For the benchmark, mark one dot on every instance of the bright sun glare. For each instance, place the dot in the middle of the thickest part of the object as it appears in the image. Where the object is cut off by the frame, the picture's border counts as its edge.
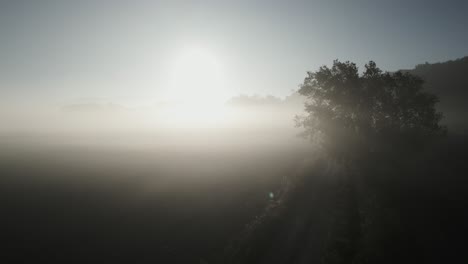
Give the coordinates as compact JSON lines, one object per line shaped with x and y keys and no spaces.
{"x":197,"y":90}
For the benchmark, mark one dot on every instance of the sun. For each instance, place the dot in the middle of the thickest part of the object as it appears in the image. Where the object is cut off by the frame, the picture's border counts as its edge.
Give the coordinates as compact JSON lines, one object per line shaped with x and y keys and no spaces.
{"x":197,"y":88}
{"x":197,"y":77}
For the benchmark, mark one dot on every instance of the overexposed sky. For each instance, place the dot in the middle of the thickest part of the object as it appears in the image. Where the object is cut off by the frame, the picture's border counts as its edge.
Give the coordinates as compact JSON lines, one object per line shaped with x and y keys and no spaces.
{"x":125,"y":51}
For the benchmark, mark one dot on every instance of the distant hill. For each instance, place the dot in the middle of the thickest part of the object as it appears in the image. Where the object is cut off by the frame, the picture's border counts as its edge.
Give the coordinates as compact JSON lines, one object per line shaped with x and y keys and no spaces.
{"x":94,"y":108}
{"x":448,"y":80}
{"x":294,"y":100}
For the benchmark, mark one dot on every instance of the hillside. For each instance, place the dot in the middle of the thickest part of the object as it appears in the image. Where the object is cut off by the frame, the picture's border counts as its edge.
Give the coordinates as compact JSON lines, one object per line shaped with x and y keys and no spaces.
{"x":448,"y":80}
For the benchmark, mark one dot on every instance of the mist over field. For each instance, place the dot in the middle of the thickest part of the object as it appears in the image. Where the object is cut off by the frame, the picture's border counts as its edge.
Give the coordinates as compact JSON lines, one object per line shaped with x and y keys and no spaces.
{"x":88,"y":178}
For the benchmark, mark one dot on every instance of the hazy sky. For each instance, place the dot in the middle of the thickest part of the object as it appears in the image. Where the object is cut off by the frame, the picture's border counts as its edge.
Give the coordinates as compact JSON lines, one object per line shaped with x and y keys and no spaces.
{"x":124,"y":50}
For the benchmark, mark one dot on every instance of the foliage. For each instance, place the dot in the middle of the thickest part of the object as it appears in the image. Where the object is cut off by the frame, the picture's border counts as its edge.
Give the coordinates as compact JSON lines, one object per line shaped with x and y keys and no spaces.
{"x":375,"y":111}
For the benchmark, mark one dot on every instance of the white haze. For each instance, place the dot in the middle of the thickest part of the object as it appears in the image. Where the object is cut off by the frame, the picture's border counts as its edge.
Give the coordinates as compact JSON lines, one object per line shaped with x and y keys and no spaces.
{"x":242,"y":121}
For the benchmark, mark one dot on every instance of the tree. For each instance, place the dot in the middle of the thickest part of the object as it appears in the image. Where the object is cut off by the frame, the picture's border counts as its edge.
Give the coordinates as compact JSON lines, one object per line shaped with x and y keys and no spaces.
{"x":349,"y":113}
{"x":368,"y":122}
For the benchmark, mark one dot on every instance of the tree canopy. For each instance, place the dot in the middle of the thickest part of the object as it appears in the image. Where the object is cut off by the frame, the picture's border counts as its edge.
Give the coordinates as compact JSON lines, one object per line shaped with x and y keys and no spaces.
{"x":372,"y":111}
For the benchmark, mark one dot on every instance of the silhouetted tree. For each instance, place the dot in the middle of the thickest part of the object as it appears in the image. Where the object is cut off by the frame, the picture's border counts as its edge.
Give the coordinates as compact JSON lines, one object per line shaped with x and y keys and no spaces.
{"x":351,"y":116}
{"x":349,"y":113}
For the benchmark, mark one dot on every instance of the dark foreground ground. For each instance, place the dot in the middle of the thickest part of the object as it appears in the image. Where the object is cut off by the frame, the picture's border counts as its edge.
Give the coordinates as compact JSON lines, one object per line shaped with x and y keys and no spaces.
{"x":404,"y":209}
{"x":77,"y":203}
{"x":111,"y":204}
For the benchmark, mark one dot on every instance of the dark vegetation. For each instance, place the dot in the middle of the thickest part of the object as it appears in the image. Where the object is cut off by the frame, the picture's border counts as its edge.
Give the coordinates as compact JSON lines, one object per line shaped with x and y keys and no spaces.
{"x":378,"y":126}
{"x":382,"y":181}
{"x":396,"y":193}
